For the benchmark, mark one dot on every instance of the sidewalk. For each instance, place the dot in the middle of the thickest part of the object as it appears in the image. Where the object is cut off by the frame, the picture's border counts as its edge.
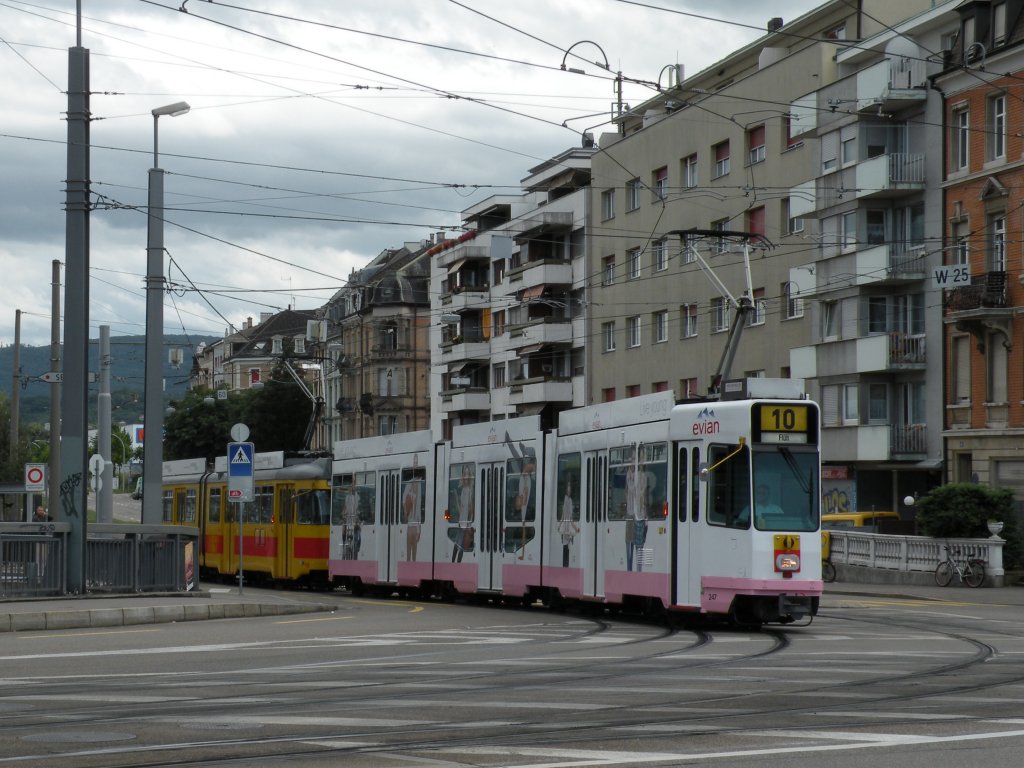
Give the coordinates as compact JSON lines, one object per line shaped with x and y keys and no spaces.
{"x":116,"y":610}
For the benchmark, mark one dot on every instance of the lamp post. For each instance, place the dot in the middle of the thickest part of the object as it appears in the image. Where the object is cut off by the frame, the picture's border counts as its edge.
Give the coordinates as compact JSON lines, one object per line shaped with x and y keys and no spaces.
{"x":153,"y":449}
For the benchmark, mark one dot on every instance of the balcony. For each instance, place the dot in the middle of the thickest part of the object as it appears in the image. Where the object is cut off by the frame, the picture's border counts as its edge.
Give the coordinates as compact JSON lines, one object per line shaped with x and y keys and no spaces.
{"x":875,"y":442}
{"x":892,"y":84}
{"x":540,"y":390}
{"x":988,"y":290}
{"x":540,"y":272}
{"x":465,"y":399}
{"x":472,"y":297}
{"x":462,"y":253}
{"x":881,"y":353}
{"x":907,"y":350}
{"x":890,"y":175}
{"x":471,"y":345}
{"x":890,"y":263}
{"x":548,"y":330}
{"x":546,"y":222}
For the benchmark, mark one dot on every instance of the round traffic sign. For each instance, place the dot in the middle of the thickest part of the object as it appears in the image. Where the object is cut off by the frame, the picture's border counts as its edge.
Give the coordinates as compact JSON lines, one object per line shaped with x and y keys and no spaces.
{"x":34,"y":475}
{"x":240,"y":432}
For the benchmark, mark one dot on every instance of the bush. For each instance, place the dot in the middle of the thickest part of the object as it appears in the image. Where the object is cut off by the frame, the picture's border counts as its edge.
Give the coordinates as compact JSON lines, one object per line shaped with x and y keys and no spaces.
{"x":961,"y":510}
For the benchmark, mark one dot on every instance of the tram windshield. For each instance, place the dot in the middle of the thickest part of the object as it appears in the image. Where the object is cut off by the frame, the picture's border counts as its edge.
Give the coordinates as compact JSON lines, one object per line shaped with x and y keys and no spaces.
{"x":313,"y":507}
{"x":785,"y":488}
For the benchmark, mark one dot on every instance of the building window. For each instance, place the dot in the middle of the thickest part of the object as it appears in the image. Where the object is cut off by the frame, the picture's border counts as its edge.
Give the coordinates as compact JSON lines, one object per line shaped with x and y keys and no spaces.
{"x":387,"y":425}
{"x":878,"y":404}
{"x":830,"y":320}
{"x":254,"y":375}
{"x":498,"y":271}
{"x":960,"y":140}
{"x":755,"y":220}
{"x":719,"y":315}
{"x":721,"y":155}
{"x":836,"y":33}
{"x":633,"y":329}
{"x":608,"y":204}
{"x":632,"y":390}
{"x":961,"y":369}
{"x":498,"y":323}
{"x":498,"y":375}
{"x":875,"y":226}
{"x":690,"y":172}
{"x":759,"y":308}
{"x":688,"y":319}
{"x":996,"y":129}
{"x":721,"y":244}
{"x":660,"y":255}
{"x":659,"y":386}
{"x":688,"y":387}
{"x":608,"y":336}
{"x":660,"y":322}
{"x":633,"y":194}
{"x":998,"y":23}
{"x":791,"y":225}
{"x":608,"y":273}
{"x":633,"y":260}
{"x":755,"y":144}
{"x":660,"y":178}
{"x":851,"y":404}
{"x":848,"y":236}
{"x":791,"y":139}
{"x":608,"y":394}
{"x":961,"y":246}
{"x":997,"y":244}
{"x":996,"y":359}
{"x":848,"y":150}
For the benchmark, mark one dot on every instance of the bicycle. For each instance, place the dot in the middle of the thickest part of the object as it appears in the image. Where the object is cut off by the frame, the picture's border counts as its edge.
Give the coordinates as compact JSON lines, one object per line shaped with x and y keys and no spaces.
{"x":970,"y":570}
{"x":828,"y":571}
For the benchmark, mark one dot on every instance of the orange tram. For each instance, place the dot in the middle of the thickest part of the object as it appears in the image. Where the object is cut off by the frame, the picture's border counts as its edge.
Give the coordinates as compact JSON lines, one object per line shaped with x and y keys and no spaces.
{"x":282,"y":535}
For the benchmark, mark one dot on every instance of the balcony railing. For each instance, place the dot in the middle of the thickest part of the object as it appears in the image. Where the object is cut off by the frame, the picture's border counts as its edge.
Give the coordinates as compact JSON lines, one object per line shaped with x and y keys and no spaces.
{"x":908,"y":439}
{"x":907,"y":348}
{"x":988,"y":290}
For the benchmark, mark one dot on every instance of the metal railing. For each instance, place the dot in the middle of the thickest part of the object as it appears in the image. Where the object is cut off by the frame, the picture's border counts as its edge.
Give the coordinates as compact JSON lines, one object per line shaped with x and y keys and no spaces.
{"x":909,"y":559}
{"x":118,"y":558}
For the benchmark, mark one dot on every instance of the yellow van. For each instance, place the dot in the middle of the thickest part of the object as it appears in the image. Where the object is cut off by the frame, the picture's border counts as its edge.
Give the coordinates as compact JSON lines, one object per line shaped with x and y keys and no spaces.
{"x":867,"y":521}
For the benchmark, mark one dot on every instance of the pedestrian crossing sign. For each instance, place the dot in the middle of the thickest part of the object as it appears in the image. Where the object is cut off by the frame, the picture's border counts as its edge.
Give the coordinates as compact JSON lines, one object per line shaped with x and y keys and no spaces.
{"x":240,"y":471}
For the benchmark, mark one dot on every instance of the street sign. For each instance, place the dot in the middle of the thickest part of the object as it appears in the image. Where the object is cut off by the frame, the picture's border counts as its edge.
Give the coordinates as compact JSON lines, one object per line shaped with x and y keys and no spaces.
{"x":53,"y":377}
{"x":35,"y":477}
{"x":951,"y":276}
{"x":241,"y":463}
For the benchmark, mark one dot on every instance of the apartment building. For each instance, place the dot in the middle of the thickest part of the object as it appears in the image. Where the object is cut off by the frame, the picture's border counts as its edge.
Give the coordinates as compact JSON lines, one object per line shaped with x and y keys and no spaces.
{"x":373,"y":347}
{"x":875,"y":355}
{"x":508,"y":301}
{"x":984,"y":196}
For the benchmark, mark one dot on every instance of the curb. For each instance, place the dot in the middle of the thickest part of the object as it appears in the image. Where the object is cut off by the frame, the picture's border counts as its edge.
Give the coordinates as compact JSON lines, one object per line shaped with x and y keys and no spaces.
{"x":36,"y":621}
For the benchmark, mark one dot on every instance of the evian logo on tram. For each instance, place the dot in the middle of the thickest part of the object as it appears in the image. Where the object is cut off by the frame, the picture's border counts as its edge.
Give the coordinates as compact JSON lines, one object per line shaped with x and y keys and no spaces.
{"x":707,"y":424}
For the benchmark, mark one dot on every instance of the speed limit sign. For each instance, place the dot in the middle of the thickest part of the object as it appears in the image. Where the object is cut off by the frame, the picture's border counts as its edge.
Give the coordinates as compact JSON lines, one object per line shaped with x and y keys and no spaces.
{"x":35,"y":477}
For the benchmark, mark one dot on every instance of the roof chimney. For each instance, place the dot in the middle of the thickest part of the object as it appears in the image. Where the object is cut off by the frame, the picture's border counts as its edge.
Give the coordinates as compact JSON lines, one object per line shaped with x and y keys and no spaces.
{"x":775,"y":24}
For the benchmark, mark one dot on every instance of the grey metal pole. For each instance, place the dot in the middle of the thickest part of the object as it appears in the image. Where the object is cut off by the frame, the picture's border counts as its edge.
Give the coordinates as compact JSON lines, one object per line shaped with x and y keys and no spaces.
{"x":15,"y":389}
{"x":74,"y":424}
{"x":55,"y":389}
{"x":105,"y":496}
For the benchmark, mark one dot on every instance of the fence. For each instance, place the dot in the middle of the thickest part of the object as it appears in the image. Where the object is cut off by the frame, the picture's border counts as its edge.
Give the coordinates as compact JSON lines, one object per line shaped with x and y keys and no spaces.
{"x":884,"y":559}
{"x":118,"y":558}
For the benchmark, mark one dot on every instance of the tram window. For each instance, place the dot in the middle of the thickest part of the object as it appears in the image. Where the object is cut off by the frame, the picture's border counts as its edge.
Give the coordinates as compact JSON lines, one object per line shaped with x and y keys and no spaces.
{"x":695,"y":486}
{"x":621,"y":474}
{"x":168,"y":506}
{"x":682,"y":473}
{"x":568,"y":488}
{"x":261,"y":509}
{"x":312,"y":507}
{"x":521,"y":489}
{"x":728,"y":491}
{"x":340,"y":488}
{"x":652,"y":480}
{"x":788,"y":480}
{"x":187,"y":507}
{"x":354,"y":497}
{"x":213,"y":506}
{"x":414,"y":483}
{"x":285,"y":504}
{"x":462,"y":493}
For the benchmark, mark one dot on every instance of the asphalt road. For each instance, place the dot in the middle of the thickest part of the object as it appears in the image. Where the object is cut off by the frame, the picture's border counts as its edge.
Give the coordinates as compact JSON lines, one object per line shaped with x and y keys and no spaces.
{"x":873,"y":681}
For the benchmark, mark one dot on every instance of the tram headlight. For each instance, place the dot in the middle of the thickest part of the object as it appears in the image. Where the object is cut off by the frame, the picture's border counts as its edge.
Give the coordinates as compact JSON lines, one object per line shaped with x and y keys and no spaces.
{"x":787,"y":562}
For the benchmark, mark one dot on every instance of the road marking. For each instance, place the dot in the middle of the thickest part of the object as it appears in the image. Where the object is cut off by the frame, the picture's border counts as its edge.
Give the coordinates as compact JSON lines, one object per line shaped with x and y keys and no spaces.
{"x":310,"y":621}
{"x":50,"y":635}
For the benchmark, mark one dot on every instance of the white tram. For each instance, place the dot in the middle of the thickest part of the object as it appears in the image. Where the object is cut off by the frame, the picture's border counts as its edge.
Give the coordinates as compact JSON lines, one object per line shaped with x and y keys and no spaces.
{"x":708,"y":507}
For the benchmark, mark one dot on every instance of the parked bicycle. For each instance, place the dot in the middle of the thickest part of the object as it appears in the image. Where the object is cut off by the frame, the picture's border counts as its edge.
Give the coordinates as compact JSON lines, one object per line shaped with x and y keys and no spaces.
{"x":970,"y":570}
{"x":828,"y":570}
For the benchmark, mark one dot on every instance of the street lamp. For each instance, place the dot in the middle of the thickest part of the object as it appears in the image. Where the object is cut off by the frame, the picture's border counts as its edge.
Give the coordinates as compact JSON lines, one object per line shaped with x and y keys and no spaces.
{"x":124,"y":456}
{"x":153,"y":449}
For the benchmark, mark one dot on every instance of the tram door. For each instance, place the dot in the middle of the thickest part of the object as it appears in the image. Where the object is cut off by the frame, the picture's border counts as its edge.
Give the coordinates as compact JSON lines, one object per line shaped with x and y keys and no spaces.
{"x":390,"y":526}
{"x":285,"y":519}
{"x":685,"y":516}
{"x":595,"y":506}
{"x":491,"y":503}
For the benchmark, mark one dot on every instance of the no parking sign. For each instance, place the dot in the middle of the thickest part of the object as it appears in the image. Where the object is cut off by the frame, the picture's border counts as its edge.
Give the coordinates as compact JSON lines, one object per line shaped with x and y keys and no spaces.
{"x":35,"y":477}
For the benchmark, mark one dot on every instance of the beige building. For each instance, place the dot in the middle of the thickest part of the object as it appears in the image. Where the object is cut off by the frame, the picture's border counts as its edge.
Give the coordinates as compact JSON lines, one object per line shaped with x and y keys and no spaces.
{"x":713,"y":152}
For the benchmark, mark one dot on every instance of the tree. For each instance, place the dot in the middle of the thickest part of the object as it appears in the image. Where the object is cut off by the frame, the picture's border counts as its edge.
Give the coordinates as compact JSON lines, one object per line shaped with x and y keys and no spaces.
{"x":962,"y":510}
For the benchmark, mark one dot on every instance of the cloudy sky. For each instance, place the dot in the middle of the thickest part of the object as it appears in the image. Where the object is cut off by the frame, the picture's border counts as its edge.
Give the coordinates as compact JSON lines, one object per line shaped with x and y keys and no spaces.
{"x":321,"y":132}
